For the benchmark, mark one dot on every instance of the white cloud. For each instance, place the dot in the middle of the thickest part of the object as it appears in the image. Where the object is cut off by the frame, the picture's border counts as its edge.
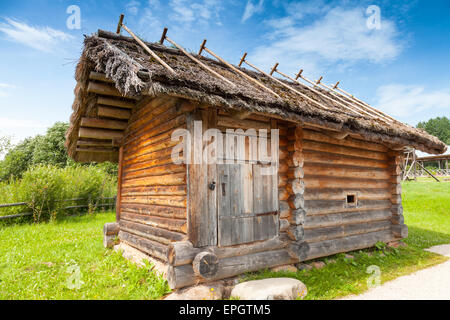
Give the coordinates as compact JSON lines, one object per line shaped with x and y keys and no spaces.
{"x":132,"y":7}
{"x":251,"y":9}
{"x":407,"y":101}
{"x":335,"y":37}
{"x":41,"y":38}
{"x":187,"y":12}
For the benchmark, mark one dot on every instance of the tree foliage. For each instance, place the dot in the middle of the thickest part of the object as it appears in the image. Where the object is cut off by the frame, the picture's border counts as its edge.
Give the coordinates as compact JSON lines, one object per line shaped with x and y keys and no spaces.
{"x":45,"y":149}
{"x":439,"y":127}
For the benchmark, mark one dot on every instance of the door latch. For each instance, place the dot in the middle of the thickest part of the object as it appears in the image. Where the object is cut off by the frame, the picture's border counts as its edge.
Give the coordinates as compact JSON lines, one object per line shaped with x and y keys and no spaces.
{"x":212,"y":186}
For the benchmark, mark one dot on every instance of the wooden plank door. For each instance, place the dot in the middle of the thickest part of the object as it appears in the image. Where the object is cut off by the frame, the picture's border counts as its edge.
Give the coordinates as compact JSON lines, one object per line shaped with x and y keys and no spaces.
{"x":247,"y":203}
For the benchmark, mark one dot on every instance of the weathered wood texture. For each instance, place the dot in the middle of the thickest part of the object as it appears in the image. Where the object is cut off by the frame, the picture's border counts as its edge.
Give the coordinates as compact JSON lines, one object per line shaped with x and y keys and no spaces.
{"x":182,"y":276}
{"x":344,"y":196}
{"x":153,"y":189}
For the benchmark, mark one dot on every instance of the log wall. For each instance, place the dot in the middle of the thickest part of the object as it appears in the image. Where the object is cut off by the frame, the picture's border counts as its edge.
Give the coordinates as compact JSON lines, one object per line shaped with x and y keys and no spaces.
{"x":153,"y":190}
{"x":351,"y":191}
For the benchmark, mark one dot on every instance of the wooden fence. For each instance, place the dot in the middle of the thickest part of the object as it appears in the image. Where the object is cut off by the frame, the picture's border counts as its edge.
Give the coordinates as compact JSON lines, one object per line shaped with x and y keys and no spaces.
{"x":90,"y":202}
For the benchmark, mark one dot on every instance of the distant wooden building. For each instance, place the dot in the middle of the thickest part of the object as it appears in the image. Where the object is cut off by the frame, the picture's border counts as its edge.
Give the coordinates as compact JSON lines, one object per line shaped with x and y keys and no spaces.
{"x":336,"y":187}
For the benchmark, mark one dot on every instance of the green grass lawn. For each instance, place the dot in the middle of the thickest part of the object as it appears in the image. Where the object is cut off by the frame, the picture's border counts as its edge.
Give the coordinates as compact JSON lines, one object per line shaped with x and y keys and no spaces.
{"x":427,"y":214}
{"x":44,"y":261}
{"x":66,"y":260}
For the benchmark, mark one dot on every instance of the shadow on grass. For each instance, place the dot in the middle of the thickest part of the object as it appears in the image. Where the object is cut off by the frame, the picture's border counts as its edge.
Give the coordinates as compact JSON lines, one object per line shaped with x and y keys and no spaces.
{"x":423,"y":238}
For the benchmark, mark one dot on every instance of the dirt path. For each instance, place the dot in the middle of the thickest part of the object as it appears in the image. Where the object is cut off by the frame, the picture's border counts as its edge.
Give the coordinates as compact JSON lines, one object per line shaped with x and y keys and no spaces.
{"x":431,"y":283}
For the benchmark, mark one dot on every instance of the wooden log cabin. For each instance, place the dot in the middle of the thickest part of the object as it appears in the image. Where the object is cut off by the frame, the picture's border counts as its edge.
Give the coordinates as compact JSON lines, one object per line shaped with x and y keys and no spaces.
{"x":336,"y":186}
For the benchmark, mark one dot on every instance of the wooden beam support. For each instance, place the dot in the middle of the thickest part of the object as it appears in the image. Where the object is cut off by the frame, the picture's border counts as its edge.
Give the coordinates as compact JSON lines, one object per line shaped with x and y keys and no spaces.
{"x":116,"y":113}
{"x":115,"y":103}
{"x":103,"y":123}
{"x":101,"y":134}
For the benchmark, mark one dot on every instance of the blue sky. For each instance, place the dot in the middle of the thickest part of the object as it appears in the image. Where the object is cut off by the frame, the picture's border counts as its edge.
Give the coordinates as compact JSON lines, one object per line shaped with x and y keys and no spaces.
{"x":402,"y":67}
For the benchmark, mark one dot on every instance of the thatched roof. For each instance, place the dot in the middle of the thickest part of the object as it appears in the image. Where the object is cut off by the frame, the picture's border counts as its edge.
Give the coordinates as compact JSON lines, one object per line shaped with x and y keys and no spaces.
{"x":135,"y":74}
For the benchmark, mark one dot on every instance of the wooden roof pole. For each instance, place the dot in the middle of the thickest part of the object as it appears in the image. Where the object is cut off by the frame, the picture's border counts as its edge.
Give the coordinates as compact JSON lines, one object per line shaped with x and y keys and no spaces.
{"x":318,"y":82}
{"x":143,"y":45}
{"x":362,"y":102}
{"x":119,"y":26}
{"x":201,"y":64}
{"x":236,"y":69}
{"x":274,"y":69}
{"x":280,"y":82}
{"x":358,"y":110}
{"x":376,"y":114}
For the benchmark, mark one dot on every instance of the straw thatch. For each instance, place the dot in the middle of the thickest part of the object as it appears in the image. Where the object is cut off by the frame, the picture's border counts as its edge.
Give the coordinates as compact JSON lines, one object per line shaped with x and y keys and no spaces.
{"x":136,"y":74}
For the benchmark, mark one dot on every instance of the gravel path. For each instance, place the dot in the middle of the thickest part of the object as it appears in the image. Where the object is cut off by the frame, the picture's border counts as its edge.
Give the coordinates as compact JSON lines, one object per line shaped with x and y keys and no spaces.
{"x":428,"y":284}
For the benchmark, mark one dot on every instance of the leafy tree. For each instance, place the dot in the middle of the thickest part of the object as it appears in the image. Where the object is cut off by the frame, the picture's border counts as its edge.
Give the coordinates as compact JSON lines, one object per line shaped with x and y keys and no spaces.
{"x":439,"y":127}
{"x":45,"y":150}
{"x":50,"y":148}
{"x":18,"y":159}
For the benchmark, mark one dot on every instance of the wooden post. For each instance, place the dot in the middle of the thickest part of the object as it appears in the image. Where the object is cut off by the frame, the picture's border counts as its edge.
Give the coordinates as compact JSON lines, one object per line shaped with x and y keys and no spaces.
{"x":415,"y":165}
{"x":119,"y":185}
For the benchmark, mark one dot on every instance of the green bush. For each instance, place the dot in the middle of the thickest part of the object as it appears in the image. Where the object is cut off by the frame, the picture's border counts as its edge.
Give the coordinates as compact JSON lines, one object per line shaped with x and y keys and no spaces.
{"x":44,"y":186}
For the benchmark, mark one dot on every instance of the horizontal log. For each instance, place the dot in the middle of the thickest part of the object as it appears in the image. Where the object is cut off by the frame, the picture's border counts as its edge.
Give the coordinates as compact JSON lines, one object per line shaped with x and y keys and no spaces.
{"x":396,"y":189}
{"x":163,"y":180}
{"x":328,"y":233}
{"x":150,"y":247}
{"x":155,"y":190}
{"x":317,"y":182}
{"x":95,"y":149}
{"x":153,"y":117}
{"x":396,"y":199}
{"x":331,"y":170}
{"x":295,"y":173}
{"x":99,"y":133}
{"x":341,"y":194}
{"x":295,"y":186}
{"x":297,"y":217}
{"x":104,"y":89}
{"x":230,"y":122}
{"x":110,"y":229}
{"x":136,"y":146}
{"x":99,"y":77}
{"x":111,"y":112}
{"x":400,"y":231}
{"x":150,"y":158}
{"x":397,"y":210}
{"x":357,"y":242}
{"x":283,"y":194}
{"x":143,"y":165}
{"x":172,"y":201}
{"x":326,"y":158}
{"x":295,"y":232}
{"x":96,"y":143}
{"x":116,"y":103}
{"x":157,"y":146}
{"x":296,"y":202}
{"x":348,"y":142}
{"x":155,"y":210}
{"x":314,"y":207}
{"x":348,"y":151}
{"x":177,"y":225}
{"x":181,"y":253}
{"x":182,"y":276}
{"x":397,"y":219}
{"x":295,"y":159}
{"x":284,"y":225}
{"x":338,"y":219}
{"x":285,"y":210}
{"x":103,"y":123}
{"x":155,"y":234}
{"x":154,"y":171}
